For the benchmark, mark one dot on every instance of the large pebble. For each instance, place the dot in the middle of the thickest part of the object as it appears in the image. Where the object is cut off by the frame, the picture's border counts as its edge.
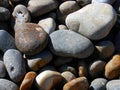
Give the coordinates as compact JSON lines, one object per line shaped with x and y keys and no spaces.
{"x":93,"y":21}
{"x":70,"y":44}
{"x":80,"y":83}
{"x":40,"y":7}
{"x":112,"y":68}
{"x":4,"y":14}
{"x":48,"y":80}
{"x":66,"y":8}
{"x":37,"y":61}
{"x":15,"y":65}
{"x":30,"y":38}
{"x":7,"y":85}
{"x":28,"y":81}
{"x":98,"y":84}
{"x":48,"y":24}
{"x":2,"y":69}
{"x":113,"y":85}
{"x":6,"y":41}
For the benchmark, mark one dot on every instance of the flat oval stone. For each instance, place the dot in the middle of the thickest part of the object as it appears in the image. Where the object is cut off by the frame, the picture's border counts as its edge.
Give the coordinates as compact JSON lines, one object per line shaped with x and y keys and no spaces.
{"x":6,"y":41}
{"x":2,"y":69}
{"x":28,"y":81}
{"x":48,"y":24}
{"x":94,"y":21}
{"x":80,"y":83}
{"x":44,"y":79}
{"x":37,"y":61}
{"x":40,"y":7}
{"x":4,"y":14}
{"x":112,"y":68}
{"x":30,"y":38}
{"x":15,"y":65}
{"x":113,"y":85}
{"x":70,"y":44}
{"x":98,"y":84}
{"x":7,"y":85}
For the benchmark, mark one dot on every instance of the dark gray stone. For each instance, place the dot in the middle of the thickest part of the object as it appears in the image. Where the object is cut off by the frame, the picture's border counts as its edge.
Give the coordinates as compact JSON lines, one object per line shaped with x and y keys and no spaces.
{"x":70,"y":44}
{"x":15,"y":65}
{"x":98,"y":84}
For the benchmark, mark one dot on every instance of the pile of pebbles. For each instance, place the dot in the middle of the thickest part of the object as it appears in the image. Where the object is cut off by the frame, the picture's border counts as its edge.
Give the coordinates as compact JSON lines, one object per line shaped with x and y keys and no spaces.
{"x":59,"y":44}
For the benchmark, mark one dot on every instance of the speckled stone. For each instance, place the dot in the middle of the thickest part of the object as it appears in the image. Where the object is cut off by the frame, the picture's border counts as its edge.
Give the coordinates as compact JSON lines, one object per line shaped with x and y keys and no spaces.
{"x":15,"y":65}
{"x":112,"y":68}
{"x":7,"y":85}
{"x":48,"y":24}
{"x":2,"y":69}
{"x":94,"y":21}
{"x":98,"y":84}
{"x":4,"y":14}
{"x":113,"y":85}
{"x":96,"y":68}
{"x":44,"y":79}
{"x":70,"y":44}
{"x":28,"y":81}
{"x":37,"y":61}
{"x":6,"y":41}
{"x":40,"y":7}
{"x":80,"y":83}
{"x":30,"y":39}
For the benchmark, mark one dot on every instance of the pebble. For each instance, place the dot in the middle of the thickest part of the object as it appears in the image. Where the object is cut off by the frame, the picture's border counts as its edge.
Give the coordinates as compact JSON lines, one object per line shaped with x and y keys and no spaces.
{"x":105,"y":49}
{"x":7,"y":85}
{"x":95,"y":20}
{"x":70,"y":44}
{"x":6,"y":41}
{"x":21,"y":13}
{"x":15,"y":65}
{"x":4,"y":3}
{"x":66,"y":8}
{"x":112,"y":68}
{"x":2,"y":69}
{"x":37,"y":61}
{"x":48,"y":80}
{"x":62,"y":27}
{"x":4,"y":14}
{"x":103,"y":1}
{"x":113,"y":85}
{"x":96,"y":68}
{"x":36,"y":6}
{"x":98,"y":84}
{"x":28,"y":81}
{"x":80,"y":83}
{"x":48,"y":24}
{"x":30,"y":38}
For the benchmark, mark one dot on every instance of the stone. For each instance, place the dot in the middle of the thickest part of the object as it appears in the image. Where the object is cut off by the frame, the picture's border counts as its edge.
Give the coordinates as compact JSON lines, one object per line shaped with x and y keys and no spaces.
{"x":80,"y":83}
{"x":2,"y":69}
{"x":103,"y":1}
{"x":83,"y":2}
{"x":94,"y":21}
{"x":117,"y":42}
{"x":62,"y":27}
{"x":6,"y":41}
{"x":113,"y":85}
{"x":98,"y":84}
{"x":28,"y":81}
{"x":112,"y":68}
{"x":30,"y":39}
{"x":40,"y":7}
{"x":37,"y":61}
{"x":4,"y":3}
{"x":44,"y":79}
{"x":70,"y":44}
{"x":48,"y":24}
{"x":21,"y":13}
{"x":105,"y":49}
{"x":7,"y":85}
{"x":96,"y":68}
{"x":66,"y":8}
{"x":4,"y":14}
{"x":15,"y":65}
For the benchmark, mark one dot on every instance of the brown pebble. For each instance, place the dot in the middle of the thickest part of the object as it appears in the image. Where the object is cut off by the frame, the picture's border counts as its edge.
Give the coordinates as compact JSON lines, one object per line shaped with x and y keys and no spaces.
{"x":28,"y":81}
